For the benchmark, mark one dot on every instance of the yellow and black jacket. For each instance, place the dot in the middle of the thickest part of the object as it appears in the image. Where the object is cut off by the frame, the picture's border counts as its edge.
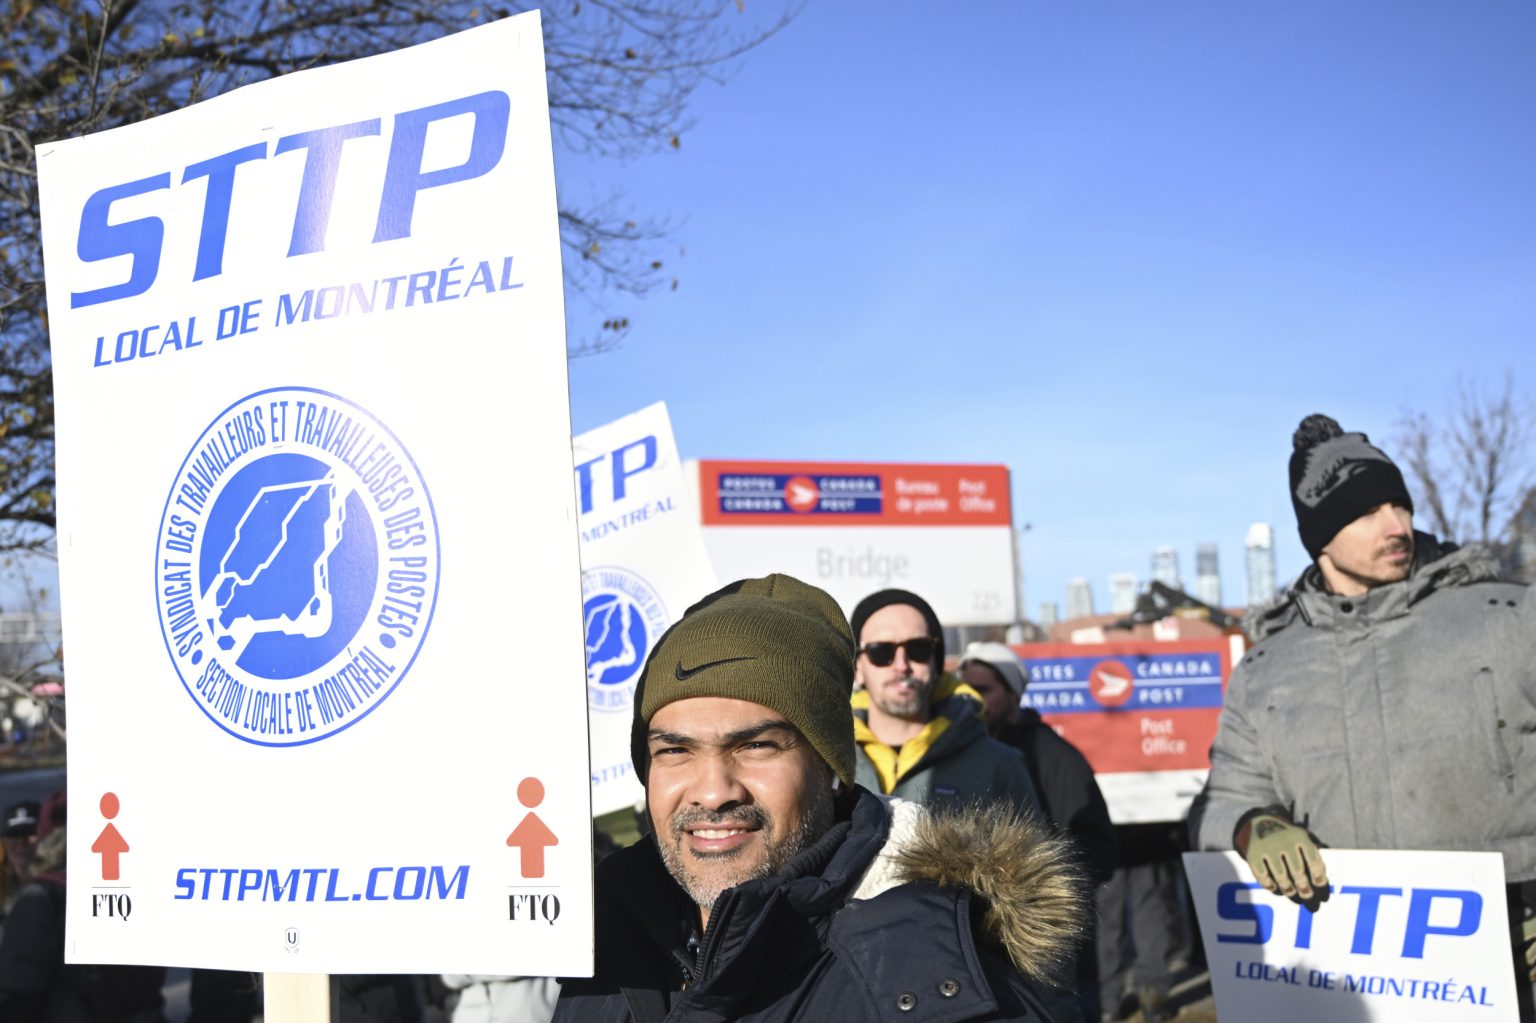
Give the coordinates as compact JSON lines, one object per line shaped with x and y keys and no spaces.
{"x":951,"y":759}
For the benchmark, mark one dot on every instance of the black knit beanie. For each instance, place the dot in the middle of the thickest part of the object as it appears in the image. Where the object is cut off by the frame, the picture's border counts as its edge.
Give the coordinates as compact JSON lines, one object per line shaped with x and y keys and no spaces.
{"x":885,"y":598}
{"x":1335,"y":478}
{"x":774,"y":641}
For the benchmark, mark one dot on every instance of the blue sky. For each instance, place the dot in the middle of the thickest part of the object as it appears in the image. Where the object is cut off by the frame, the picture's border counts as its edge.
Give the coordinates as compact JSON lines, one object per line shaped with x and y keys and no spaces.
{"x":1121,"y":247}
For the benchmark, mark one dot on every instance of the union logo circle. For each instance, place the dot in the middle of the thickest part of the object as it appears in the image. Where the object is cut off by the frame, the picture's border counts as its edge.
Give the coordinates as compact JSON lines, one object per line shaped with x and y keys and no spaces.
{"x":1111,"y":683}
{"x":622,"y":618}
{"x":296,"y":566}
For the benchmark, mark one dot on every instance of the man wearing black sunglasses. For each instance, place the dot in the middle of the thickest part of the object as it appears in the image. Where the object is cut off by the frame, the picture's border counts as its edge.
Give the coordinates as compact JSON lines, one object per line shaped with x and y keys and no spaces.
{"x":921,"y":733}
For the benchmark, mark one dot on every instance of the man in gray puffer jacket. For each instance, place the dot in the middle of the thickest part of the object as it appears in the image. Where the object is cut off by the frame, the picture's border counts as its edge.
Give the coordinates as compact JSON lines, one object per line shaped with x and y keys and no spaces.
{"x":1390,"y":702}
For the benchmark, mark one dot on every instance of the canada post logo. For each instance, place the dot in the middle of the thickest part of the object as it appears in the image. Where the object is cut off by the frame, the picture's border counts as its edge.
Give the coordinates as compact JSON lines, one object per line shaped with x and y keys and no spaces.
{"x":623,"y":618}
{"x":799,"y":494}
{"x":296,"y":567}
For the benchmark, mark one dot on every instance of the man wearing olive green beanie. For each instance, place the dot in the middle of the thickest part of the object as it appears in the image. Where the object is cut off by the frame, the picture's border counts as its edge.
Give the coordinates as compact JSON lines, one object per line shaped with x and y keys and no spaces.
{"x":737,"y":903}
{"x":774,"y":641}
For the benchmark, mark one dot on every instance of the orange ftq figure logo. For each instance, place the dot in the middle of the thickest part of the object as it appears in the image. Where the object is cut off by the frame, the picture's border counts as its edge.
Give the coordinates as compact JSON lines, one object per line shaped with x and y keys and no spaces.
{"x":110,"y":843}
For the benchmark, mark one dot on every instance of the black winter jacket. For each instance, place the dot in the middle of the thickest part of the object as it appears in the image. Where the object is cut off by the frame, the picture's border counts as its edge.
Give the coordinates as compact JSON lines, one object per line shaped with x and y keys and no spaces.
{"x":870,"y":923}
{"x":1069,"y":795}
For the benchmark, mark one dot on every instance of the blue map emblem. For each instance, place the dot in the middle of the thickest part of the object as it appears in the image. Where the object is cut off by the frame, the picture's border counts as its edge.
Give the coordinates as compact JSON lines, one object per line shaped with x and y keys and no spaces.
{"x":296,"y":567}
{"x":623,"y":618}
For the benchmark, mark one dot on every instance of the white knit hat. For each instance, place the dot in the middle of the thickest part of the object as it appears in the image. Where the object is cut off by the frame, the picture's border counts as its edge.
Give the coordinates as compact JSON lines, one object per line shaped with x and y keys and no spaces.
{"x":999,"y":658}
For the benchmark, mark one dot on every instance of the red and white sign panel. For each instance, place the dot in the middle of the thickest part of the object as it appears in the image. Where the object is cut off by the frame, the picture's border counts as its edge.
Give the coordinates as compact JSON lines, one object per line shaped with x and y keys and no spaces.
{"x":942,"y":531}
{"x":853,"y":494}
{"x":1143,"y":713}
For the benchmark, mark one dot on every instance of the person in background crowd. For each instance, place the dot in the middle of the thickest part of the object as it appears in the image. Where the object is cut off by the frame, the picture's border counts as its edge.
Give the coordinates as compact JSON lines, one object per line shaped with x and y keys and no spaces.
{"x":379,"y":997}
{"x":222,"y":996}
{"x":498,"y":999}
{"x":1069,"y":795}
{"x":18,"y":839}
{"x":1139,"y":925}
{"x":1390,"y":701}
{"x":920,"y":732}
{"x":773,"y":887}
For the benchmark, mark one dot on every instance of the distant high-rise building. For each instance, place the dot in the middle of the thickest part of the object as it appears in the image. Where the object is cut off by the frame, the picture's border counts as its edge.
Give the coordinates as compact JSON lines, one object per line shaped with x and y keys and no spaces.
{"x":1165,"y":567}
{"x":1122,"y":593}
{"x":1079,"y":598}
{"x":1208,"y":574}
{"x":1517,"y":554}
{"x":1261,"y":563}
{"x":1050,"y":614}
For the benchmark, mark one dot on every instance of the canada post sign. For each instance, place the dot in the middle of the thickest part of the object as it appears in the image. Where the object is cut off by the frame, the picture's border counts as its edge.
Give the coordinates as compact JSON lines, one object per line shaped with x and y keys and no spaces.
{"x":314,"y":460}
{"x":945,"y":531}
{"x":1143,"y":713}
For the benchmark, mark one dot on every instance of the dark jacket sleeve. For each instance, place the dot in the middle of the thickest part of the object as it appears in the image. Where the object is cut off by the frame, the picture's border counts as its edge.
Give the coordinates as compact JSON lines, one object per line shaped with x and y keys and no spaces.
{"x":1016,"y":998}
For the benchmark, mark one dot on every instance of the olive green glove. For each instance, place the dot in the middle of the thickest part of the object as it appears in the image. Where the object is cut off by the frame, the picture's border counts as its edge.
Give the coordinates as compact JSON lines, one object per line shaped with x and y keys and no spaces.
{"x":1284,"y":857}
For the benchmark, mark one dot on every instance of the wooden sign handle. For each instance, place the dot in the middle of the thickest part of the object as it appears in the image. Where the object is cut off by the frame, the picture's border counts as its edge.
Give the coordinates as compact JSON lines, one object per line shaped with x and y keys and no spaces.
{"x":297,"y":998}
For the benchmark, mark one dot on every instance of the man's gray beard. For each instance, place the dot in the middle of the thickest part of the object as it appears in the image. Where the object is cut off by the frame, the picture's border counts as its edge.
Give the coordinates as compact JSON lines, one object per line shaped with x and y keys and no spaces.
{"x":813,"y":825}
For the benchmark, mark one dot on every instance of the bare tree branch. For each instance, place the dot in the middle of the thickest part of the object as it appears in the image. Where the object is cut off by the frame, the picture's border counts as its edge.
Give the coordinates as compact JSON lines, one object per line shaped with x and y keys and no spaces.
{"x":1479,"y":453}
{"x":620,"y":75}
{"x":1416,"y":444}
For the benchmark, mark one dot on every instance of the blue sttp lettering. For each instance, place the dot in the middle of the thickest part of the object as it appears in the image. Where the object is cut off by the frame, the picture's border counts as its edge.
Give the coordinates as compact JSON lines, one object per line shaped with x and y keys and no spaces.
{"x":250,"y":881}
{"x":184,"y":883}
{"x":1229,"y":908}
{"x":403,"y":176}
{"x":1365,"y":920}
{"x":141,"y":239}
{"x":622,"y":473}
{"x":1419,"y":927}
{"x":584,"y":483}
{"x":1304,"y":928}
{"x":220,"y":172}
{"x":318,"y":189}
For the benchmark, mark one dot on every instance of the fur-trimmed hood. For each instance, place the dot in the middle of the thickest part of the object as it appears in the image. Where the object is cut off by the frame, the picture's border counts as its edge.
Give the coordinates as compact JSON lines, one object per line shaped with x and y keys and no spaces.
{"x":1032,"y":893}
{"x":894,"y":909}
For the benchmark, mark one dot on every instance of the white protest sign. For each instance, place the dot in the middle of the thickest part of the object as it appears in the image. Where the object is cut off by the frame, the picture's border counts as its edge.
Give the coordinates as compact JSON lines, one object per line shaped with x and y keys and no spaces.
{"x":317,"y":543}
{"x":1403,"y":936}
{"x":643,"y":564}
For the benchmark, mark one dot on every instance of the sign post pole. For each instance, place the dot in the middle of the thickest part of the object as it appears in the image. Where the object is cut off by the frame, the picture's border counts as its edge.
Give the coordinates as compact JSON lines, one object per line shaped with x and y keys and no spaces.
{"x":296,"y":997}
